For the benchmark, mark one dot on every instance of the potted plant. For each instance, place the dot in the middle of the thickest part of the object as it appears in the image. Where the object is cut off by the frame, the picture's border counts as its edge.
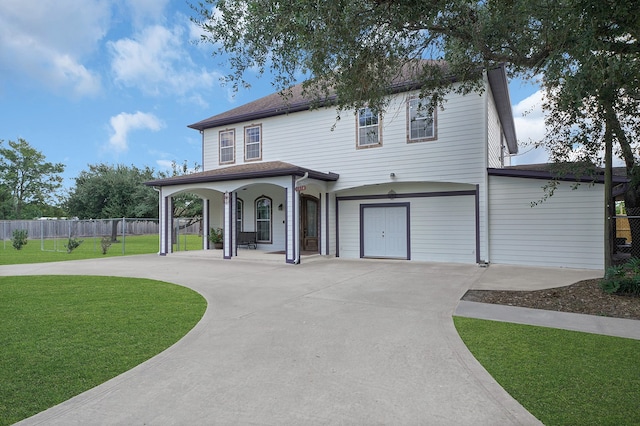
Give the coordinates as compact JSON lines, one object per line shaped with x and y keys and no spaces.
{"x":216,"y":237}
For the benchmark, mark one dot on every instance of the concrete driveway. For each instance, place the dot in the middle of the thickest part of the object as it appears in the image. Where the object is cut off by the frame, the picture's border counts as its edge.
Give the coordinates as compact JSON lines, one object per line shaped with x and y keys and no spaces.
{"x":329,"y":341}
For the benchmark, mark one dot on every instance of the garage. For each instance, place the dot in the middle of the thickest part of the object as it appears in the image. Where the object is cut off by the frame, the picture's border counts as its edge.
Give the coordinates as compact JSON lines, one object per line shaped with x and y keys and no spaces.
{"x":385,"y":231}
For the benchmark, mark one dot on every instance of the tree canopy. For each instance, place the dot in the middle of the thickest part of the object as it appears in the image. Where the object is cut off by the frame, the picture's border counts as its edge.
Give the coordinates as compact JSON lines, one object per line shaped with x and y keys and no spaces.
{"x":27,"y":181}
{"x":106,"y":191}
{"x":116,"y":191}
{"x":583,"y":53}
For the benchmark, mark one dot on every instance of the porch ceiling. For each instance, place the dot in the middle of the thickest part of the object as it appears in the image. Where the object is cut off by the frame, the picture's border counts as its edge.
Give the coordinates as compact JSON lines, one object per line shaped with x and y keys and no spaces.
{"x":245,"y":171}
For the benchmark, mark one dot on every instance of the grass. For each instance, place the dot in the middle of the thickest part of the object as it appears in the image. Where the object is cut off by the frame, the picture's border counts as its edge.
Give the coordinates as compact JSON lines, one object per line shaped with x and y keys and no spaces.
{"x":62,"y":335}
{"x":89,"y":249}
{"x":562,"y":377}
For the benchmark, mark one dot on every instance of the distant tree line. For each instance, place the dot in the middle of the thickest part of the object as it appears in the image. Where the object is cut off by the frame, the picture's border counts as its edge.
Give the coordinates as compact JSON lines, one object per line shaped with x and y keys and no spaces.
{"x":31,"y":187}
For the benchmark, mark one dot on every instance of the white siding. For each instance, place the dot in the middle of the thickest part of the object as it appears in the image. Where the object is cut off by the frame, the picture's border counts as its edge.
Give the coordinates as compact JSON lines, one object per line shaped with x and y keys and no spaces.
{"x":564,"y":231}
{"x":306,"y":139}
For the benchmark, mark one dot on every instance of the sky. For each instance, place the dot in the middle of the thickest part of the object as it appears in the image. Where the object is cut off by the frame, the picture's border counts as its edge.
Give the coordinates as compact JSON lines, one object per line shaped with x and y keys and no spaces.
{"x":118,"y":81}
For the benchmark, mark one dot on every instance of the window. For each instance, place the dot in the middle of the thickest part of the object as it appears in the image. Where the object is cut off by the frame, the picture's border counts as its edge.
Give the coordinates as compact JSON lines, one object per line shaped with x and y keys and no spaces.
{"x":227,"y":146}
{"x":368,"y":128}
{"x":421,"y":123}
{"x":263,"y":220}
{"x":253,"y":143}
{"x":239,"y":211}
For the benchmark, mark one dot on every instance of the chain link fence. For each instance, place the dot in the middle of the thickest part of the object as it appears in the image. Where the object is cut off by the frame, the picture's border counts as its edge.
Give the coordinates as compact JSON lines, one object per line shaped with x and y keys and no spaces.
{"x":53,"y":234}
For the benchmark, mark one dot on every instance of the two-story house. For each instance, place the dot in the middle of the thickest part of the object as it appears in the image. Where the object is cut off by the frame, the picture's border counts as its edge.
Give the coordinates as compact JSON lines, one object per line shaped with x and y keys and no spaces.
{"x":407,"y":184}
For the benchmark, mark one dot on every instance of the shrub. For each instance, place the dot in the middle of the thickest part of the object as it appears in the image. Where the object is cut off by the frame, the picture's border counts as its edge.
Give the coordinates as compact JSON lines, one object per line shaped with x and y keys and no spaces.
{"x":19,"y":238}
{"x":105,"y":243}
{"x":622,"y":279}
{"x":72,"y":244}
{"x":216,"y":235}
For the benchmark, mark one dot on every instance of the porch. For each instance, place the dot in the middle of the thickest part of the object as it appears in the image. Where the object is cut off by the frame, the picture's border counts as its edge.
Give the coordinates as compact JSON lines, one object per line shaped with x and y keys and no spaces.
{"x":248,"y":255}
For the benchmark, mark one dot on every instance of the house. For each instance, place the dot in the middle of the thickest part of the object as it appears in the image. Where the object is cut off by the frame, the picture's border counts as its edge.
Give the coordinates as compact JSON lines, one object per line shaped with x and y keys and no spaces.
{"x":408,"y":184}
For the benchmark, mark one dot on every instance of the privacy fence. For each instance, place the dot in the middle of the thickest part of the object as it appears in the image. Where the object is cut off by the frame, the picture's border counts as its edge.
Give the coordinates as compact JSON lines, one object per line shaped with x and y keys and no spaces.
{"x":49,"y":232}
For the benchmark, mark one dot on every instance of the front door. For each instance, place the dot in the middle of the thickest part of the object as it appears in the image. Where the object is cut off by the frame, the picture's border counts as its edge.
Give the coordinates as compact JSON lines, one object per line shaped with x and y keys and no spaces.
{"x":385,"y":231}
{"x":310,"y":220}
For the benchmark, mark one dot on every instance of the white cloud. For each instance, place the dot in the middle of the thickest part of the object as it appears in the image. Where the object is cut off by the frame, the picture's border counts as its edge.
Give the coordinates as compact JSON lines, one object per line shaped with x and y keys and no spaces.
{"x":147,"y":10}
{"x":47,"y":41}
{"x":156,"y":62}
{"x":123,"y":123}
{"x":530,"y":128}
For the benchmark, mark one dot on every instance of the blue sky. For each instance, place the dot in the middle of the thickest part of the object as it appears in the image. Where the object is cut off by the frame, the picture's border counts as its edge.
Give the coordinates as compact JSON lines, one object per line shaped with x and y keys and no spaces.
{"x":118,"y":81}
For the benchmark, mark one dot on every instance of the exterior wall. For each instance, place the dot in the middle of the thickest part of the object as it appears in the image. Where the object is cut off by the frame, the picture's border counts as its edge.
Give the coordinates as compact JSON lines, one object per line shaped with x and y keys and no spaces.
{"x":564,"y":231}
{"x":316,"y":140}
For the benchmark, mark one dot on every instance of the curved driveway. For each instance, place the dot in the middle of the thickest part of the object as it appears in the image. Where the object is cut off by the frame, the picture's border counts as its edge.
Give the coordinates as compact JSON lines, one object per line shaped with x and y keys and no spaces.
{"x":329,"y":341}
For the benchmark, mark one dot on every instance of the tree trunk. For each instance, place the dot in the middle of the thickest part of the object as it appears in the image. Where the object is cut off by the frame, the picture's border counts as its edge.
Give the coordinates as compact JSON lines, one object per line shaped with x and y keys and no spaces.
{"x":114,"y":230}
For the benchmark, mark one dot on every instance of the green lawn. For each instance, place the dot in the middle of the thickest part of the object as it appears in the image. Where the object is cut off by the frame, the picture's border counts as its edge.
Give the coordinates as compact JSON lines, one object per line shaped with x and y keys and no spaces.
{"x":90,"y":248}
{"x":562,"y":377}
{"x":62,"y":335}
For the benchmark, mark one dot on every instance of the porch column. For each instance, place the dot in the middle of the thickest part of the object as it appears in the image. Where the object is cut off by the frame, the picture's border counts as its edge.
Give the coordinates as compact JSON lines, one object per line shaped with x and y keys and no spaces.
{"x":163,"y":227}
{"x":234,"y":222}
{"x":205,"y":224}
{"x":168,"y":225}
{"x":227,"y":251}
{"x":291,"y":226}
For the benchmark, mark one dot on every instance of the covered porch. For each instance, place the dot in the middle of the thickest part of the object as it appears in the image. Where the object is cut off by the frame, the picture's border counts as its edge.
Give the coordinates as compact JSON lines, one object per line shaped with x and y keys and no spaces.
{"x":286,"y":207}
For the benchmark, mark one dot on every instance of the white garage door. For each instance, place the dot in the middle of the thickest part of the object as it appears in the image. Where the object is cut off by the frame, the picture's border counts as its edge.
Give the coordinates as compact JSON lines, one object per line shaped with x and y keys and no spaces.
{"x":385,"y":231}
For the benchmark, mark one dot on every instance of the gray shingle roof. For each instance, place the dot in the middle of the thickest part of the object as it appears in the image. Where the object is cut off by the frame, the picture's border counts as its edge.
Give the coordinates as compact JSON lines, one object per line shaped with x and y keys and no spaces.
{"x":244,"y":171}
{"x":276,"y":104}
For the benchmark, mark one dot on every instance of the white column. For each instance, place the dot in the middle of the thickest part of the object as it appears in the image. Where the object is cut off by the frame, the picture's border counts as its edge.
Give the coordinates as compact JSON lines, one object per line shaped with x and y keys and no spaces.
{"x":205,"y":223}
{"x":227,"y":227}
{"x":162,"y":223}
{"x":169,"y":228}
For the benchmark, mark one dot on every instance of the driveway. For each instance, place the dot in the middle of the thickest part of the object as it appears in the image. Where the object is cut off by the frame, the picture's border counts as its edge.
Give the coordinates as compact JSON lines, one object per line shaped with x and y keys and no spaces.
{"x":328,"y":341}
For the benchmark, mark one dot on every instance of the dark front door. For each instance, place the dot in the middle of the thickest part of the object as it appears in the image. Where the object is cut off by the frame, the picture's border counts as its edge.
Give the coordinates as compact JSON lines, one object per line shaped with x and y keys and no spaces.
{"x":310,"y":221}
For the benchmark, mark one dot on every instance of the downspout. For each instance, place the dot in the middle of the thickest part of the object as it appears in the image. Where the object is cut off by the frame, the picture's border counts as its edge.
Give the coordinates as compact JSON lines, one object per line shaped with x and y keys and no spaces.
{"x":296,"y":220}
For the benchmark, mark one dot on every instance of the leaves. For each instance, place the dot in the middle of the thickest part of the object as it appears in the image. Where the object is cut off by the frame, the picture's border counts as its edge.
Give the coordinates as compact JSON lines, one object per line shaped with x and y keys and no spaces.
{"x":28,"y":179}
{"x":106,"y":191}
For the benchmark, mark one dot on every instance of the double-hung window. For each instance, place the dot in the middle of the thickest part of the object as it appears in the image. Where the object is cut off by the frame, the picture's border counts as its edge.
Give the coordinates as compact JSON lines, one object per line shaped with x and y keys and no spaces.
{"x":263,"y":220}
{"x":421,"y":125}
{"x":368,"y":128}
{"x":227,"y":144}
{"x":253,"y":143}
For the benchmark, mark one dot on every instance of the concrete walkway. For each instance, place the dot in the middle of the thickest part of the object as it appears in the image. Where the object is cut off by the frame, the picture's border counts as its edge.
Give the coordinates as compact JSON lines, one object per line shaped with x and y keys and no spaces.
{"x":328,"y":341}
{"x":503,"y":277}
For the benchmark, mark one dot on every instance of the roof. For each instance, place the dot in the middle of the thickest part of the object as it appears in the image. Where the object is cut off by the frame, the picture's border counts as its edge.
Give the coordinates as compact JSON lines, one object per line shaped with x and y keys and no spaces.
{"x":278,"y":104}
{"x":245,"y":171}
{"x":563,"y":172}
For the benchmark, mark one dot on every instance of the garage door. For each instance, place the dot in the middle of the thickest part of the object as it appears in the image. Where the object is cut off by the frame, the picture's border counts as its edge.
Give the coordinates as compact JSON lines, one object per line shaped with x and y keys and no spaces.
{"x":385,"y":231}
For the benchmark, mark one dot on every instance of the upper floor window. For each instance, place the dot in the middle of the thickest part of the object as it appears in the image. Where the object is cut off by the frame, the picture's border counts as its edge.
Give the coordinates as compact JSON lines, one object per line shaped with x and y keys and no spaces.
{"x":368,"y":128}
{"x":253,"y":143}
{"x":421,"y":124}
{"x":263,"y":219}
{"x":227,"y":146}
